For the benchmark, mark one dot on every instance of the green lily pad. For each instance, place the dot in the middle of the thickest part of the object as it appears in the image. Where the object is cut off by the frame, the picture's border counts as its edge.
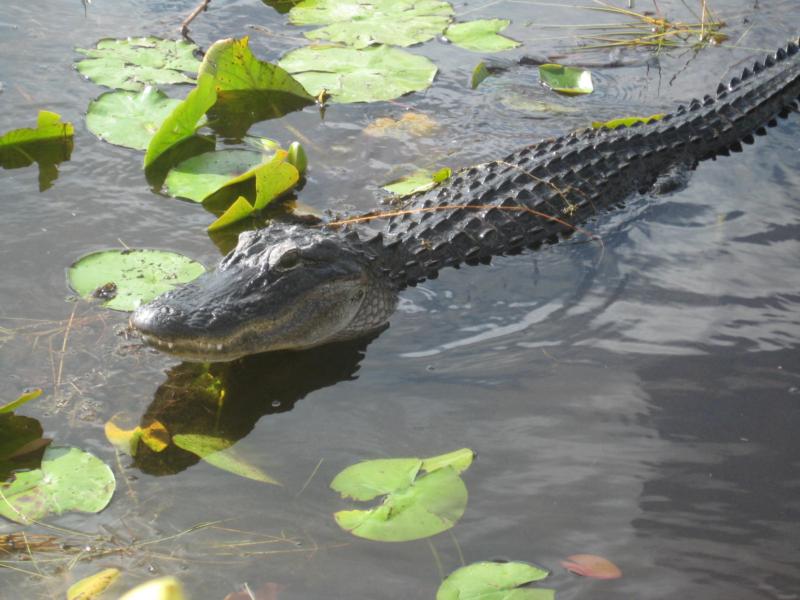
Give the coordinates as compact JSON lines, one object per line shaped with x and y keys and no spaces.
{"x":48,"y":144}
{"x":282,"y":6}
{"x":272,"y":180}
{"x":217,"y":451}
{"x":231,"y":75}
{"x":479,"y":73}
{"x":132,"y":63}
{"x":350,"y":75}
{"x":481,"y":35}
{"x":23,"y":398}
{"x":21,"y":444}
{"x":200,"y":176}
{"x":421,"y":181}
{"x":416,"y":506}
{"x":68,"y":480}
{"x":494,"y":581}
{"x":129,"y":119}
{"x":362,"y":23}
{"x":626,"y":121}
{"x":566,"y":80}
{"x":127,"y":278}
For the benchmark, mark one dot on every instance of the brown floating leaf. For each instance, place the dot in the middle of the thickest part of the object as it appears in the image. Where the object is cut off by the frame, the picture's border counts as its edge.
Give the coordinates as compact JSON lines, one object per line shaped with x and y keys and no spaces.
{"x":591,"y":565}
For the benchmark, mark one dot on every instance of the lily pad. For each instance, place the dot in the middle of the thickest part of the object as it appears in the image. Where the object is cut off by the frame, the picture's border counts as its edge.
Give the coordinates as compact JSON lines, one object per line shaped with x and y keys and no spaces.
{"x":479,"y":73}
{"x":421,"y":181}
{"x":163,"y":588}
{"x":129,"y":119}
{"x":416,"y":506}
{"x":132,"y":63}
{"x":591,"y":565}
{"x":570,"y":81}
{"x":626,"y":121}
{"x":92,"y":586}
{"x":68,"y":480}
{"x":481,"y":35}
{"x":362,"y":23}
{"x":228,"y":71}
{"x":48,"y":144}
{"x":155,"y":436}
{"x":494,"y":581}
{"x":351,"y":75}
{"x":410,"y":123}
{"x":200,"y":176}
{"x":21,"y":444}
{"x":136,"y":276}
{"x":23,"y":398}
{"x":217,"y":451}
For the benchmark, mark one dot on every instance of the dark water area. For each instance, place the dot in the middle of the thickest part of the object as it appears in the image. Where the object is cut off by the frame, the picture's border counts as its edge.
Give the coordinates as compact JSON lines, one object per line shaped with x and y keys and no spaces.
{"x":637,"y":399}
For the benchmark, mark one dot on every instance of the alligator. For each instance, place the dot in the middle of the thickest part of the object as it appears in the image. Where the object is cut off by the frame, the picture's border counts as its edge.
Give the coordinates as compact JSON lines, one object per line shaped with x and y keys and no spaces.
{"x":295,"y":287}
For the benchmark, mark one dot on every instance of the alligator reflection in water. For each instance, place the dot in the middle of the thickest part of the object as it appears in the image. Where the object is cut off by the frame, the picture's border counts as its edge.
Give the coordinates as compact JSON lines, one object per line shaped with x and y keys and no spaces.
{"x":227,"y":399}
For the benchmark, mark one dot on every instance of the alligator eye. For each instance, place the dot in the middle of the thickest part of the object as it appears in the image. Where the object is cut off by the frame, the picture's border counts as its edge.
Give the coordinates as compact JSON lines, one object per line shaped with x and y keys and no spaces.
{"x":288,"y":260}
{"x":358,"y":296}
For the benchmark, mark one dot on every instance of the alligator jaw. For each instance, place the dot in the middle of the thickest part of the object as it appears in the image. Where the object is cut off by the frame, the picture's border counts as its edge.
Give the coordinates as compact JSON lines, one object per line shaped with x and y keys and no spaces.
{"x":289,"y":296}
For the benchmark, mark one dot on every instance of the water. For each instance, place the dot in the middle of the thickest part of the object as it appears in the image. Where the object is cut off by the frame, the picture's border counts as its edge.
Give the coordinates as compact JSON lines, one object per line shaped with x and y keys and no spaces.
{"x":637,"y":400}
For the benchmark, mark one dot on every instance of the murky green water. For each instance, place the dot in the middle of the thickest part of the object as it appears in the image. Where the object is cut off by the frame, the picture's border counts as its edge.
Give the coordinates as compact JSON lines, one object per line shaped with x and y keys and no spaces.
{"x":639,"y":402}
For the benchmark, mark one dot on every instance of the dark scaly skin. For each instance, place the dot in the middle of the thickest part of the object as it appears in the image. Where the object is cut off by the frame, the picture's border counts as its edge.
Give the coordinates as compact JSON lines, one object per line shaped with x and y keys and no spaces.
{"x":294,"y":287}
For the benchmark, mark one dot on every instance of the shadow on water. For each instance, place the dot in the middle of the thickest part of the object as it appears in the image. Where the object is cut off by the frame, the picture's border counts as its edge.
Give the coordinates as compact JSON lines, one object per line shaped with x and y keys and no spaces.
{"x":226,"y":400}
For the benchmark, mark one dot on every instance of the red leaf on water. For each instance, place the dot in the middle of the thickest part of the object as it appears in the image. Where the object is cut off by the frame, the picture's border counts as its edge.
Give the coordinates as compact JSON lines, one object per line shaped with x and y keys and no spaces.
{"x":591,"y":565}
{"x":268,"y":591}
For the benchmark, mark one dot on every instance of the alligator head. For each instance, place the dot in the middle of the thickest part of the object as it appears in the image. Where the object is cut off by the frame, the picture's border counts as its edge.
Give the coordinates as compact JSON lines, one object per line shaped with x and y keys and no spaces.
{"x":280,"y":288}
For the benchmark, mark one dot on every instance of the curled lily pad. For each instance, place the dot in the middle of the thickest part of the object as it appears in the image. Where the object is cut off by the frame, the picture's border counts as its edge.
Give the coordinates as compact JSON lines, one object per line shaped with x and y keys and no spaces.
{"x":362,"y":23}
{"x":92,"y":586}
{"x":21,"y":444}
{"x":23,"y":398}
{"x":68,"y":480}
{"x":218,"y":451}
{"x":163,"y":588}
{"x":200,"y":176}
{"x":482,"y":35}
{"x":591,"y":565}
{"x":570,"y":81}
{"x":494,"y":581}
{"x":126,"y":278}
{"x":352,"y":75}
{"x":48,"y":144}
{"x":132,"y":63}
{"x":423,"y":497}
{"x":129,"y":119}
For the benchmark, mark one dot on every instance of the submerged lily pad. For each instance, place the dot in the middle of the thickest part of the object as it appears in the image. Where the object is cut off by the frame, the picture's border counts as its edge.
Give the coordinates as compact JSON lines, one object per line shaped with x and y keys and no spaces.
{"x":129,"y":119}
{"x":217,"y":451}
{"x":494,"y":581}
{"x":481,"y":35}
{"x":591,"y":565}
{"x":68,"y":480}
{"x":351,"y":75}
{"x":420,"y":181}
{"x":566,"y":80}
{"x":132,"y":63}
{"x":133,"y":277}
{"x":362,"y":23}
{"x":412,"y":123}
{"x":416,"y":506}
